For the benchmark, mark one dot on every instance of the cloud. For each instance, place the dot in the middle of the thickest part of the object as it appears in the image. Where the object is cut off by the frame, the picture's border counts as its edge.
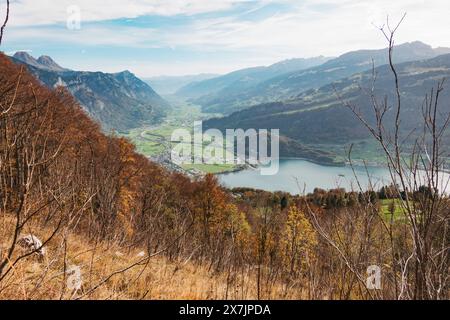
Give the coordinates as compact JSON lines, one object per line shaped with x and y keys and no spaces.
{"x":329,"y":27}
{"x":246,"y":32}
{"x":88,"y":35}
{"x":47,"y":12}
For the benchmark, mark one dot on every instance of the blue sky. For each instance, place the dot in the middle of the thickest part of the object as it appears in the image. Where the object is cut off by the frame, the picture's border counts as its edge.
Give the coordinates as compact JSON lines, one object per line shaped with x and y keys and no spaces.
{"x":178,"y":37}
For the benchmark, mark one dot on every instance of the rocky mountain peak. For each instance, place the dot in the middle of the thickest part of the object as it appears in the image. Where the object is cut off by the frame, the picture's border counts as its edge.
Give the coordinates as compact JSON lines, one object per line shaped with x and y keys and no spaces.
{"x":43,"y":62}
{"x":50,"y":64}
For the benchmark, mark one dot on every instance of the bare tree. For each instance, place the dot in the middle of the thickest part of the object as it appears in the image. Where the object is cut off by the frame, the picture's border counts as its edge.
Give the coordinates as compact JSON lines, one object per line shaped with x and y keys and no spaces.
{"x":2,"y":29}
{"x":418,"y":244}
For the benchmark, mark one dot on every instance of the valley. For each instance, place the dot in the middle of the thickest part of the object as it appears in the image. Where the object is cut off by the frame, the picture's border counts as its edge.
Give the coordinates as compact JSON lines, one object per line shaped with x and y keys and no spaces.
{"x":224,"y":150}
{"x":314,"y":124}
{"x":154,"y":141}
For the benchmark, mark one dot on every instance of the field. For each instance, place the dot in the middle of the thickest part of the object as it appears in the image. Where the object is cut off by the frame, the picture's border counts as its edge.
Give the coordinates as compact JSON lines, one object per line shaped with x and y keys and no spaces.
{"x":210,"y":168}
{"x":154,"y":141}
{"x":387,"y":205}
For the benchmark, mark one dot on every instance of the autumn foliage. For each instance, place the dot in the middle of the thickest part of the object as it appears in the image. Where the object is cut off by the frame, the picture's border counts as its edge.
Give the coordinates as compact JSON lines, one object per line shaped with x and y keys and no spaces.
{"x":62,"y":178}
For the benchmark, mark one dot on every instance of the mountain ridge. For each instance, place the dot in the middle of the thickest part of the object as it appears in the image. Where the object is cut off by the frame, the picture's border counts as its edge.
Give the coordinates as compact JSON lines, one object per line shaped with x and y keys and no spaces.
{"x":288,"y":85}
{"x":43,"y":62}
{"x":318,"y":117}
{"x":119,"y":101}
{"x":165,"y":85}
{"x":246,"y":77}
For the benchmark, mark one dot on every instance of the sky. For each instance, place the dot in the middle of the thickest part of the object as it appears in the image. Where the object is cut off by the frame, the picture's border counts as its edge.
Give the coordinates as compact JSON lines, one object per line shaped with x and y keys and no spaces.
{"x":180,"y":37}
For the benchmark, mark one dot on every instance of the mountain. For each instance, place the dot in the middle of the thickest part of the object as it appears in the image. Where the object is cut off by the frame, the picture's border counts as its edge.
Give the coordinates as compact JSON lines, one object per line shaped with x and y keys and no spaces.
{"x":442,"y":50}
{"x":166,"y":85}
{"x":318,"y":117}
{"x":27,"y":59}
{"x":119,"y":101}
{"x":239,"y":80}
{"x":43,"y":62}
{"x":47,"y":63}
{"x":287,"y":85}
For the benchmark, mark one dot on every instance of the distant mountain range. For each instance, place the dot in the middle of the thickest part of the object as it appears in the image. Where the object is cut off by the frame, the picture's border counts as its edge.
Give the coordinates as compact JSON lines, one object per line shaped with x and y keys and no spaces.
{"x":118,"y":101}
{"x":168,"y":85}
{"x":206,"y":92}
{"x":296,"y":96}
{"x":242,"y":90}
{"x":318,"y":117}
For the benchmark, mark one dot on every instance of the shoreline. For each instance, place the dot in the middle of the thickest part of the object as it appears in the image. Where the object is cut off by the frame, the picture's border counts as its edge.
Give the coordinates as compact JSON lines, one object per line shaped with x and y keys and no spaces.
{"x":321,"y":163}
{"x":248,"y":166}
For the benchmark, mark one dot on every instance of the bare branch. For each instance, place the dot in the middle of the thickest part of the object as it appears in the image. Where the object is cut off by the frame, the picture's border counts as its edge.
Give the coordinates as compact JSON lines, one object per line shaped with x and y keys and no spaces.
{"x":2,"y":30}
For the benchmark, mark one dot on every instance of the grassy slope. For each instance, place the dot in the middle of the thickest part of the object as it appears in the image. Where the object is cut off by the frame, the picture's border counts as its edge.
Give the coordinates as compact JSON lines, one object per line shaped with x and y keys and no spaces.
{"x":160,"y":279}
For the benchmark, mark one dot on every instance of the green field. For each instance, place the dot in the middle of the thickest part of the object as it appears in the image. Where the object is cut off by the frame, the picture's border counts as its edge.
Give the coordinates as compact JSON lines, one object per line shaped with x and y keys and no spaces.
{"x":153,"y":141}
{"x":386,"y":207}
{"x":210,"y":168}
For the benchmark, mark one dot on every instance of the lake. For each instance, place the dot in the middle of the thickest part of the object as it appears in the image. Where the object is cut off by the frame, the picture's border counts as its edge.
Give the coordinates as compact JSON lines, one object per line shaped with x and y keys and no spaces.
{"x":299,"y":176}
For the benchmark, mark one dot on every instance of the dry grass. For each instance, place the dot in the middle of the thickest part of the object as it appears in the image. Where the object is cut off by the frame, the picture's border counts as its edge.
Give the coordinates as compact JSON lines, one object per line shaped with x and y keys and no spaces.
{"x":156,"y":278}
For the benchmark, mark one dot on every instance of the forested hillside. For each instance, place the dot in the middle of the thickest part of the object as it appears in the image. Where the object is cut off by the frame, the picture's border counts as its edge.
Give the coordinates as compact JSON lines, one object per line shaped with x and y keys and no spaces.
{"x":319,"y":116}
{"x":79,"y":191}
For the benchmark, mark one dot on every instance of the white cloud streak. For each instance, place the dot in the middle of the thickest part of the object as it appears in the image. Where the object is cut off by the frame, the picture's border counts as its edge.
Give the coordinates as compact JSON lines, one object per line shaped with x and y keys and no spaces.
{"x":42,"y":12}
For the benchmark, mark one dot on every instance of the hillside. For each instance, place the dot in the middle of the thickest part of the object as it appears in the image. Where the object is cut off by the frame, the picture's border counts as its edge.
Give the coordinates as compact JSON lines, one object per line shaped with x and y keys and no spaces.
{"x":168,"y":85}
{"x":117,"y":101}
{"x":318,"y":117}
{"x":83,"y":216}
{"x":109,"y":223}
{"x":287,"y":85}
{"x":157,"y":279}
{"x":236,"y":81}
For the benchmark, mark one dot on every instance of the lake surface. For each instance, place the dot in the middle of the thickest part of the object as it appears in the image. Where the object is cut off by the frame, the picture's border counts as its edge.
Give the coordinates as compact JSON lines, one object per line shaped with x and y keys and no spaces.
{"x":299,"y":176}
